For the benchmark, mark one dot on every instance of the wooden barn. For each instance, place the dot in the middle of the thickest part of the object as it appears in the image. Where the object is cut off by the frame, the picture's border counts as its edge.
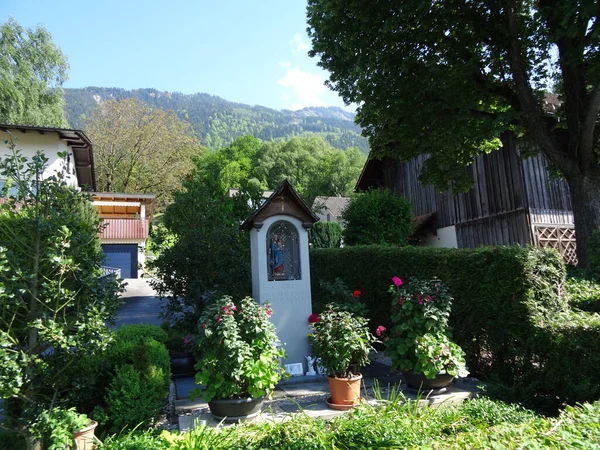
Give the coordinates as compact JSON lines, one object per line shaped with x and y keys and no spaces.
{"x":514,"y":200}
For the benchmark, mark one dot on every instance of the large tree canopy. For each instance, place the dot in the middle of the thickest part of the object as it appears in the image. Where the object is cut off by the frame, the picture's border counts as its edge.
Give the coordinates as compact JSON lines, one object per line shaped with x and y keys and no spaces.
{"x":311,"y":164}
{"x":448,"y":77}
{"x":32,"y":71}
{"x":140,"y":149}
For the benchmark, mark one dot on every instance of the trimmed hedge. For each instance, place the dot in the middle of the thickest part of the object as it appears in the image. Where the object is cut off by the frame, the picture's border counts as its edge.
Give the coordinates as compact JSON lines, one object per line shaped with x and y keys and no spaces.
{"x":508,"y":315}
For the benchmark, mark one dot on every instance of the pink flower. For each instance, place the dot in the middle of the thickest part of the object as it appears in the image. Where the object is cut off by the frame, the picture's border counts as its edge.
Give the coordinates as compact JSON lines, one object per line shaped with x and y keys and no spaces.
{"x":233,"y":308}
{"x":313,"y":318}
{"x":224,"y":308}
{"x":203,"y":325}
{"x":429,"y":298}
{"x":269,"y":311}
{"x":400,"y":300}
{"x":219,"y":319}
{"x":380,"y":329}
{"x":355,"y":294}
{"x":397,"y":281}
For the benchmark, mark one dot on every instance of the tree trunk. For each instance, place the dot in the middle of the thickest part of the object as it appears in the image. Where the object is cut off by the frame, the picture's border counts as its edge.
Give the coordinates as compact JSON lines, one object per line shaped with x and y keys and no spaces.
{"x":585,"y":199}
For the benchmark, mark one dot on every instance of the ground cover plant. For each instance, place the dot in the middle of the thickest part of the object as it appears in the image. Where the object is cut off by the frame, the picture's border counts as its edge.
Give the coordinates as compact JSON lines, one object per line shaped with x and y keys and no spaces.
{"x":479,"y":423}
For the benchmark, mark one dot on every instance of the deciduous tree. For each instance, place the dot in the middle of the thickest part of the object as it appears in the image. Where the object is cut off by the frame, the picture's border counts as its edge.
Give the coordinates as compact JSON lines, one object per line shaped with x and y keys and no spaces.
{"x":448,"y":77}
{"x":32,"y":71}
{"x":139,"y":149}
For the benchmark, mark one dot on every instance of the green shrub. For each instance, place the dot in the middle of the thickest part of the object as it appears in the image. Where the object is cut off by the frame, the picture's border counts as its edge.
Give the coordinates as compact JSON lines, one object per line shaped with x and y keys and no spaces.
{"x":583,"y":292}
{"x":141,"y":331}
{"x":141,"y":371}
{"x":507,"y":314}
{"x":326,"y":235}
{"x":136,"y":397}
{"x":377,"y":217}
{"x":342,"y":296}
{"x":132,"y":441}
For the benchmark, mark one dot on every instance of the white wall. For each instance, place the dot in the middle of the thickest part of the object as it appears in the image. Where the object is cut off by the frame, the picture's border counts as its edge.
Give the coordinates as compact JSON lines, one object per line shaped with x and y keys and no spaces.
{"x":290,"y":299}
{"x":49,"y":143}
{"x":446,"y":237}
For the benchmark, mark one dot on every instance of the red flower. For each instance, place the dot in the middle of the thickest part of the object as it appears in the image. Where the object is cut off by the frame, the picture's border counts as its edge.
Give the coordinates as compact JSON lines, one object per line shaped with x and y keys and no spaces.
{"x":313,"y":318}
{"x":224,"y":308}
{"x":400,"y":300}
{"x":269,"y":311}
{"x":203,"y":325}
{"x":355,"y":294}
{"x":380,"y":329}
{"x":429,"y":298}
{"x":397,"y":281}
{"x":219,"y":319}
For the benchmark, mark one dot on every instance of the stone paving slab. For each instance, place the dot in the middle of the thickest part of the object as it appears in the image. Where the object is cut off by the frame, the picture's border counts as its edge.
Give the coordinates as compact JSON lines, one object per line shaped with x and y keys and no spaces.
{"x":310,"y":399}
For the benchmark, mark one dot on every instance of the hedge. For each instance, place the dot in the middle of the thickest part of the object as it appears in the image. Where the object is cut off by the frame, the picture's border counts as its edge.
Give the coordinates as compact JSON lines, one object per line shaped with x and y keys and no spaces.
{"x":508,"y":314}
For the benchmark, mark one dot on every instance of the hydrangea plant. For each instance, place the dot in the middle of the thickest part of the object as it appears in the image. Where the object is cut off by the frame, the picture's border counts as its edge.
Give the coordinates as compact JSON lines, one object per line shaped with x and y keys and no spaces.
{"x":240,"y":351}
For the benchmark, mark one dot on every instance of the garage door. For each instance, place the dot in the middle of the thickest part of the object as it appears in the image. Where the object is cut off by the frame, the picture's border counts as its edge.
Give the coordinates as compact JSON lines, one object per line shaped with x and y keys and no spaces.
{"x":122,"y":256}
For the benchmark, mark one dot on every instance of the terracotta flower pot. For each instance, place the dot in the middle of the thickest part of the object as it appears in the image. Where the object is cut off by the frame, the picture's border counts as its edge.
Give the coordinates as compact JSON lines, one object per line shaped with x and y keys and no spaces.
{"x":345,"y":391}
{"x":85,"y":439}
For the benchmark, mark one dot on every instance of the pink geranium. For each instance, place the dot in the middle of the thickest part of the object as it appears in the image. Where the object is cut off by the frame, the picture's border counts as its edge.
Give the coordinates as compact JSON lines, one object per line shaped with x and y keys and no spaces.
{"x":380,"y":329}
{"x":397,"y":281}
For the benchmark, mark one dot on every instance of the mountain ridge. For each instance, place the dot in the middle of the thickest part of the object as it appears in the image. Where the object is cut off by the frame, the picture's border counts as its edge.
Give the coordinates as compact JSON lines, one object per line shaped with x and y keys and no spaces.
{"x":218,"y":122}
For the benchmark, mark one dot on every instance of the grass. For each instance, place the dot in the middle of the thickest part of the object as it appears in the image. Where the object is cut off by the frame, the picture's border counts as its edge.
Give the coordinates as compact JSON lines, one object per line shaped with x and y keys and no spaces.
{"x":476,"y":424}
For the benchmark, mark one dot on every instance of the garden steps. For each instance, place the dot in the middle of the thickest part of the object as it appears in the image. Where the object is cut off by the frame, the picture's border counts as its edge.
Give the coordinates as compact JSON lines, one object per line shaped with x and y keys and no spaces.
{"x":309,"y":397}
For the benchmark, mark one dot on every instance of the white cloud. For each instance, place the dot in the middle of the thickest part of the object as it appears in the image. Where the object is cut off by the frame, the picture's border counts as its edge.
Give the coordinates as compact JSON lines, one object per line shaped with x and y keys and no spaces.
{"x":299,"y":45}
{"x":285,"y":64}
{"x":306,"y":88}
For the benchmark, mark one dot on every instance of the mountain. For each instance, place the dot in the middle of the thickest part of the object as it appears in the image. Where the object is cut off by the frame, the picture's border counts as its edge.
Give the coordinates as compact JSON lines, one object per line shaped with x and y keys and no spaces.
{"x":217,"y":122}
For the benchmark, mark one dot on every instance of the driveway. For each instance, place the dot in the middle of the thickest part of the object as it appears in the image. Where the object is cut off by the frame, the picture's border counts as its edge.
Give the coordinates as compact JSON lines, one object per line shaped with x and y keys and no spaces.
{"x":141,"y":305}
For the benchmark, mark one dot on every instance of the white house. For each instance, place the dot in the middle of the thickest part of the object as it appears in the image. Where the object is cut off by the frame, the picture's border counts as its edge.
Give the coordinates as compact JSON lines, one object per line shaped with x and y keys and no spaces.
{"x":79,"y":164}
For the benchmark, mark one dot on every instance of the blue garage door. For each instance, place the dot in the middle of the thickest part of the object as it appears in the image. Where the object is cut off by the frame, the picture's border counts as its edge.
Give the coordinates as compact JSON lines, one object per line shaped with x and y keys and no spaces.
{"x":122,"y":256}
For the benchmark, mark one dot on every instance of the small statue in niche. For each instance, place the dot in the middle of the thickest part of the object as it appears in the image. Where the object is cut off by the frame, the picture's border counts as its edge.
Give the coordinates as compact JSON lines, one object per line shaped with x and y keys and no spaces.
{"x":277,"y":256}
{"x":310,"y":364}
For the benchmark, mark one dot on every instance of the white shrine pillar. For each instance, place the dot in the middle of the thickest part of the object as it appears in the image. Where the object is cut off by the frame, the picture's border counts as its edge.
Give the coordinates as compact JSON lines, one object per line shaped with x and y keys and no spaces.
{"x":281,"y":269}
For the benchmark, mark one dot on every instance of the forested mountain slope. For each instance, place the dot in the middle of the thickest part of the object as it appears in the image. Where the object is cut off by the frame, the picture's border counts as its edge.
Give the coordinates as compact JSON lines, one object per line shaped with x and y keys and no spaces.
{"x":217,"y":122}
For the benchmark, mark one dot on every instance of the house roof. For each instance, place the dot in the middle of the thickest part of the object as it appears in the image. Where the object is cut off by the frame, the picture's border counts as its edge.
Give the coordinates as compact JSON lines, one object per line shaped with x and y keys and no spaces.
{"x":370,"y":176}
{"x":80,"y":144}
{"x":284,"y":199}
{"x":335,"y":205}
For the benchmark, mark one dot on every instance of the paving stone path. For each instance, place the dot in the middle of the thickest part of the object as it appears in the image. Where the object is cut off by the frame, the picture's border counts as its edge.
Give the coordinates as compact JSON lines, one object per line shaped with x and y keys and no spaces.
{"x":141,"y":304}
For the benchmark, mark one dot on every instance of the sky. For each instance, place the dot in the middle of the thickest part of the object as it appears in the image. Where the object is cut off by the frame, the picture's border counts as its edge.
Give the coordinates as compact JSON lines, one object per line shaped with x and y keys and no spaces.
{"x":247,"y":51}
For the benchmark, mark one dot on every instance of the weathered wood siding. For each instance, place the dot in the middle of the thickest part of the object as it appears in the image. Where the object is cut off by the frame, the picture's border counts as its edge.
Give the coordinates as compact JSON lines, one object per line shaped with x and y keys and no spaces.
{"x":498,"y":188}
{"x":510,"y":198}
{"x":502,"y":229}
{"x":549,"y":199}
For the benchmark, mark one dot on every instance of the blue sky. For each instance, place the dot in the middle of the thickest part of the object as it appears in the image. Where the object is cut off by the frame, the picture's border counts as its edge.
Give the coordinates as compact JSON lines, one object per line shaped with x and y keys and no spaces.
{"x":249,"y":51}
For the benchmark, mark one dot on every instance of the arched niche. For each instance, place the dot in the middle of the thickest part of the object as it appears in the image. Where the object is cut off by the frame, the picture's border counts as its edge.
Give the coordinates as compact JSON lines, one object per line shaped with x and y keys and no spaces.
{"x":283,"y":252}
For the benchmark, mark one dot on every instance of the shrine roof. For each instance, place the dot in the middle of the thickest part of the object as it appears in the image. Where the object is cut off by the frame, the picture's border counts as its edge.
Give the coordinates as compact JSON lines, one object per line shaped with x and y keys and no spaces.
{"x":283,"y":201}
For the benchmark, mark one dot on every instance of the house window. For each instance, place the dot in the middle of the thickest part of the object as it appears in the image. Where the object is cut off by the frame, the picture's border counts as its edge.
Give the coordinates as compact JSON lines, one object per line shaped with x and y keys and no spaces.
{"x":283,"y":252}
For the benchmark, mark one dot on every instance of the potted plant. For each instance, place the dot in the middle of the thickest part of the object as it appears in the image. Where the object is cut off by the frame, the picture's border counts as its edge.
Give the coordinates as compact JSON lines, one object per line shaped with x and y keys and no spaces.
{"x":61,"y":428}
{"x":419,"y":342}
{"x":240,"y":357}
{"x":342,"y":342}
